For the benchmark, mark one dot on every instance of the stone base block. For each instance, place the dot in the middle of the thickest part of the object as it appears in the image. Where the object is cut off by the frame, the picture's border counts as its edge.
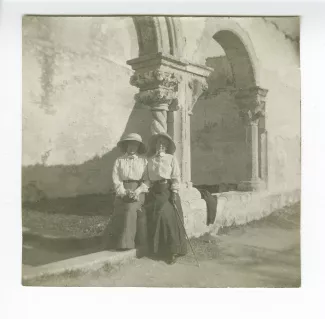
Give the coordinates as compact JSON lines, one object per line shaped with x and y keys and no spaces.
{"x":195,"y":212}
{"x":239,"y":208}
{"x":233,"y":208}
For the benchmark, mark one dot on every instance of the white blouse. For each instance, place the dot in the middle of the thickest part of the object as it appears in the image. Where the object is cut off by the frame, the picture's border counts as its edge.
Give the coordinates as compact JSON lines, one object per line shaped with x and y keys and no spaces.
{"x":164,"y":166}
{"x":129,"y":167}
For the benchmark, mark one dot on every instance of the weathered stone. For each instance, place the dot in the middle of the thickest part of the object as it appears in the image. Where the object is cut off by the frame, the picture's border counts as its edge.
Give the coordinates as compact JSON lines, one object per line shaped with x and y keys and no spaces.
{"x":251,"y":103}
{"x":174,"y":89}
{"x":91,"y":85}
{"x":235,"y":208}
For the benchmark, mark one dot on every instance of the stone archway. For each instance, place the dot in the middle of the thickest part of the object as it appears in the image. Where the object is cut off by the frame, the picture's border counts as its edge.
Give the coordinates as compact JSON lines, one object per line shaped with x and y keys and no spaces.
{"x":231,"y":36}
{"x":168,"y":85}
{"x":250,"y":100}
{"x":240,"y":61}
{"x":249,"y":96}
{"x":158,"y":34}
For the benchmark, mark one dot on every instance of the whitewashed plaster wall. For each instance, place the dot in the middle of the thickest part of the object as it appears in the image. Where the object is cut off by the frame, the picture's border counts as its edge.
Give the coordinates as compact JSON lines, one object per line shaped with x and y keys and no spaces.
{"x":77,"y":102}
{"x":276,"y":58}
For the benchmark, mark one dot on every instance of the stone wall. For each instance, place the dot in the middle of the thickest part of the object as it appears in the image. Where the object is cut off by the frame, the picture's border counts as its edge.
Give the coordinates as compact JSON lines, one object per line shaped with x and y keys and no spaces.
{"x":234,"y":209}
{"x":217,"y":132}
{"x":280,"y":73}
{"x":77,"y":102}
{"x":275,"y":56}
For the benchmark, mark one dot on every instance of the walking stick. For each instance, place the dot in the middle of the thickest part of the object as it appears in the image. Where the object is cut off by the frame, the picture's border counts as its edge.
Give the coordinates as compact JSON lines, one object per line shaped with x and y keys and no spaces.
{"x":180,"y":220}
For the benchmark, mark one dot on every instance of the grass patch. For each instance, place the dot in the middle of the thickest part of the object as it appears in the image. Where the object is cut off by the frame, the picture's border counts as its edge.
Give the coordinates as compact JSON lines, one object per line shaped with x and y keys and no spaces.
{"x":109,"y":267}
{"x":82,"y":205}
{"x":81,"y":216}
{"x":63,"y":225}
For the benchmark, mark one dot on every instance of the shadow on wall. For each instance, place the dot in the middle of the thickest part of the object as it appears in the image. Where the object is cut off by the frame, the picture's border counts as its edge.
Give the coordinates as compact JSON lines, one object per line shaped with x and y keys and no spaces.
{"x":63,"y":189}
{"x":83,"y":205}
{"x":218,"y":147}
{"x":78,"y":189}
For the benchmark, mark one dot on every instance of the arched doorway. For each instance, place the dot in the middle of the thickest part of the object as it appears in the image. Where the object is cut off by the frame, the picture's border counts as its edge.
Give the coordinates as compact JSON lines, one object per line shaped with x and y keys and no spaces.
{"x":156,"y":75}
{"x":223,"y":138}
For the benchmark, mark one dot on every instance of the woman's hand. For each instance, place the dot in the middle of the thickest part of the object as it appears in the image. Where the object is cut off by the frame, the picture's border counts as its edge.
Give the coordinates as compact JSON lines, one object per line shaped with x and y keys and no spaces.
{"x":131,"y":196}
{"x":136,"y":194}
{"x":121,"y":193}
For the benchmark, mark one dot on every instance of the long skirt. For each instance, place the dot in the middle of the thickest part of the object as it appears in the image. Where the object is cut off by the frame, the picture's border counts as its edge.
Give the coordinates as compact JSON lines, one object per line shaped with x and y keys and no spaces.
{"x":127,"y":229}
{"x":165,"y":224}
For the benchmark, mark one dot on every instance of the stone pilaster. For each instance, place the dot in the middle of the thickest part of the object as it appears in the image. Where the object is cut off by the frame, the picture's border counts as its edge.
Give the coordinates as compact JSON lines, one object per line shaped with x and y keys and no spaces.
{"x":190,"y":89}
{"x":251,"y":103}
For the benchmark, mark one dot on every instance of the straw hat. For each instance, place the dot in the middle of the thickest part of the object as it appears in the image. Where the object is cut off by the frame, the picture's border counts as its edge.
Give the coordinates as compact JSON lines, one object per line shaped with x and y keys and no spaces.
{"x":122,"y":144}
{"x":153,"y":141}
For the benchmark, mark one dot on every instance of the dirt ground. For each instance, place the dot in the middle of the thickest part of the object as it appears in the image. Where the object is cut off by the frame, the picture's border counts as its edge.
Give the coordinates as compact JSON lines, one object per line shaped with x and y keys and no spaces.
{"x":265,"y":253}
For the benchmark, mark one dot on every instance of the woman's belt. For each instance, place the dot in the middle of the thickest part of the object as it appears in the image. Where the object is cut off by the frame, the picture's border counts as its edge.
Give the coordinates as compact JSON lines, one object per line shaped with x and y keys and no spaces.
{"x":162,"y":181}
{"x":132,"y":181}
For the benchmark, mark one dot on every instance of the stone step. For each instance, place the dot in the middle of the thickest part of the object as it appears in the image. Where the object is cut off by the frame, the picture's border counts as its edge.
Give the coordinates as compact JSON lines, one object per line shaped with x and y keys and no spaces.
{"x":78,"y":265}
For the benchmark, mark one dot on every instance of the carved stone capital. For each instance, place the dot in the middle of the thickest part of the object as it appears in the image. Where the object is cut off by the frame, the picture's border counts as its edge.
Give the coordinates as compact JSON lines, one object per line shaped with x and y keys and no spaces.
{"x":155,"y":97}
{"x":197,"y":86}
{"x":156,"y":87}
{"x":250,"y":118}
{"x":251,"y":103}
{"x":155,"y":78}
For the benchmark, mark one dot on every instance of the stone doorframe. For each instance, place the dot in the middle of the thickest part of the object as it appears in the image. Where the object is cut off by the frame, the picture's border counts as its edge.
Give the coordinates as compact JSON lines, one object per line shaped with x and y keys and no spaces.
{"x":169,"y":87}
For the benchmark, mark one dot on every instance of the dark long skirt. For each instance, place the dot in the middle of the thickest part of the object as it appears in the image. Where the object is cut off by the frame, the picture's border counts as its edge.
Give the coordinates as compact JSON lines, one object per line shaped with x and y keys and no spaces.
{"x":127,"y":228}
{"x":165,"y":225}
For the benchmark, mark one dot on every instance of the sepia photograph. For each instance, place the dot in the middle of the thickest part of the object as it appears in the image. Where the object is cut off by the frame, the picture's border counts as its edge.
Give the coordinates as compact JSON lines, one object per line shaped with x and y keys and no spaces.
{"x":161,"y":151}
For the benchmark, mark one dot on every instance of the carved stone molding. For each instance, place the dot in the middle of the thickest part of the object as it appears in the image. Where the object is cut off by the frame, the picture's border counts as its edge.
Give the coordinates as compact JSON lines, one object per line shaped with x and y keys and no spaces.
{"x":156,"y":87}
{"x":251,"y":103}
{"x":168,"y":84}
{"x":213,"y":93}
{"x":197,"y":86}
{"x":155,"y":78}
{"x":146,"y":29}
{"x":156,"y":97}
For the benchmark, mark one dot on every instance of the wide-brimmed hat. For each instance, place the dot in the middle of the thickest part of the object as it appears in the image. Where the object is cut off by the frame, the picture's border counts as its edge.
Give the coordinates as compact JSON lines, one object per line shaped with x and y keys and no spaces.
{"x":122,"y":144}
{"x":153,"y":141}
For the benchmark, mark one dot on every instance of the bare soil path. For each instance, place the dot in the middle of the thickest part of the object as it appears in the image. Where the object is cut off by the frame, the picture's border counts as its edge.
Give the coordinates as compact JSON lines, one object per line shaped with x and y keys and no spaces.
{"x":262,"y":254}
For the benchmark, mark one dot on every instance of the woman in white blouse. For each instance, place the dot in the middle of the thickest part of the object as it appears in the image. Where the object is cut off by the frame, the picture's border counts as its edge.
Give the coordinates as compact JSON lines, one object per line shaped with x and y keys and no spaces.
{"x":128,"y":227}
{"x":166,"y":231}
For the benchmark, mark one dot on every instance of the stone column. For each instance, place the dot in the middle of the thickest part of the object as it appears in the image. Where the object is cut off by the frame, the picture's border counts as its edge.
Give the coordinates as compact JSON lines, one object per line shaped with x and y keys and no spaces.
{"x":158,"y":91}
{"x":263,"y":156}
{"x":170,"y":88}
{"x":263,"y":171}
{"x":251,"y":103}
